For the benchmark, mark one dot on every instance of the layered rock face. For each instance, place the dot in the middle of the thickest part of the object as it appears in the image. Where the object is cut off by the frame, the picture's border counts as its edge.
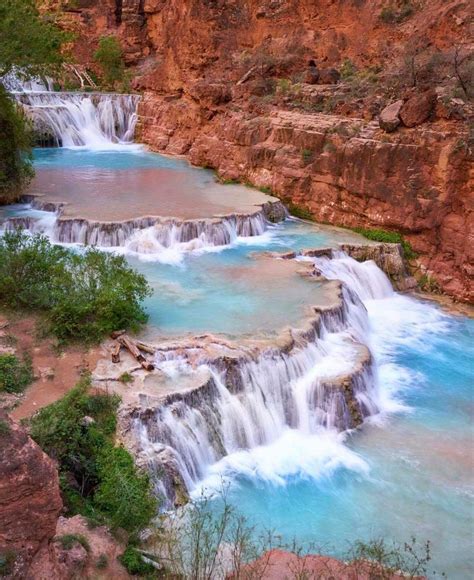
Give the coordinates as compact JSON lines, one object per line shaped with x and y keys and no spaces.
{"x":208,"y":71}
{"x":30,"y":502}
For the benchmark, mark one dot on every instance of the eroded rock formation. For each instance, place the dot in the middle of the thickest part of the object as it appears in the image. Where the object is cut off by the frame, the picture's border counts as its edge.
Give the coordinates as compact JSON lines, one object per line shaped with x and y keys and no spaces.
{"x":30,"y":502}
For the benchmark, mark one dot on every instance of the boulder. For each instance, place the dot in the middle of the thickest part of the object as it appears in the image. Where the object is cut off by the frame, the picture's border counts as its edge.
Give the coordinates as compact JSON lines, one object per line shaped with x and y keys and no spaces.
{"x":329,"y":76}
{"x":418,"y":108}
{"x":389,"y":118}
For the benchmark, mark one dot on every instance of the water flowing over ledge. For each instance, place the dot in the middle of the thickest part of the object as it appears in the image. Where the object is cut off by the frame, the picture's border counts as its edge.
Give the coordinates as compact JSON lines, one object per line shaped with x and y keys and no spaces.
{"x":150,"y":236}
{"x":212,"y":398}
{"x":76,"y":119}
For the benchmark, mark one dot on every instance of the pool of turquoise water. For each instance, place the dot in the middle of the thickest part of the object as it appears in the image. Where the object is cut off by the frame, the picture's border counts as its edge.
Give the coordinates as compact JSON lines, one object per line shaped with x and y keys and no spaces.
{"x":418,"y":479}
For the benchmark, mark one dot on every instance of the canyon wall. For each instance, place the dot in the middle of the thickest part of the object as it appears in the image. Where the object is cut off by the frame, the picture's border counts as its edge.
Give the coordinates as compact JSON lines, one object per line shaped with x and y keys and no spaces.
{"x":248,"y":88}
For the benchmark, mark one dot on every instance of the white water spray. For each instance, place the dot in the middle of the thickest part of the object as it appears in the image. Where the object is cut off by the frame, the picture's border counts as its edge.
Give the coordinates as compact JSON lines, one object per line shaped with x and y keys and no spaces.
{"x":94,"y":120}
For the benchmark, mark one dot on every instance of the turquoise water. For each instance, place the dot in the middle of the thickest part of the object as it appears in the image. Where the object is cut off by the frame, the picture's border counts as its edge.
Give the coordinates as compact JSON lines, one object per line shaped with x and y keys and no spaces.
{"x":416,"y":476}
{"x":129,"y":157}
{"x":230,"y":290}
{"x":408,"y":472}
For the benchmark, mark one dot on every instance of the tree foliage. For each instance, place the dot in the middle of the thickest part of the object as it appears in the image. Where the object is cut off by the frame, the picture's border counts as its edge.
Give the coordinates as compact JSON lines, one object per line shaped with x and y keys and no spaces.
{"x":30,"y":43}
{"x":15,"y":148}
{"x":83,"y":295}
{"x":110,"y":58}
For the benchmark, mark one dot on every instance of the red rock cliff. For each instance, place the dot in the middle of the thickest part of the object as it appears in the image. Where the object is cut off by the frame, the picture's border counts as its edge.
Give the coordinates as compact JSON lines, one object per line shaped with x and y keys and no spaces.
{"x":211,"y":72}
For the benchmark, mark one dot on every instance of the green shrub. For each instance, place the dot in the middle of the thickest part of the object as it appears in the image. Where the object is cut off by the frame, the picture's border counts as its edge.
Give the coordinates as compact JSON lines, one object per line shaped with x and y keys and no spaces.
{"x":7,"y":560}
{"x":123,"y":493}
{"x":15,"y":375}
{"x":429,"y":284}
{"x":132,"y":561}
{"x":299,"y":211}
{"x":68,"y":540}
{"x":4,"y":428}
{"x":98,"y":480}
{"x":110,"y":58}
{"x":348,"y":69}
{"x":389,"y":238}
{"x":84,"y":296}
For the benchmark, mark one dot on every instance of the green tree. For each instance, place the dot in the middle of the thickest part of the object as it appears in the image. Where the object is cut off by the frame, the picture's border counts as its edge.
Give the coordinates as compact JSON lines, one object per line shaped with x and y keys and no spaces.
{"x":30,"y":44}
{"x":15,"y":148}
{"x":83,"y":296}
{"x":110,"y":58}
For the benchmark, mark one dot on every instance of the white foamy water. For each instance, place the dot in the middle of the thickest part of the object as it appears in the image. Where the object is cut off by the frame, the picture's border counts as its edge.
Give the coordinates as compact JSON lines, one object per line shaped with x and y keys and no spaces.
{"x":312,"y":448}
{"x":92,"y":120}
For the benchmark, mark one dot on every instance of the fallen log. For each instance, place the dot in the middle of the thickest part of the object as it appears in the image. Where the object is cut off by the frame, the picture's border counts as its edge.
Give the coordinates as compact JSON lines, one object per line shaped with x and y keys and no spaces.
{"x":133,"y":349}
{"x":145,"y":347}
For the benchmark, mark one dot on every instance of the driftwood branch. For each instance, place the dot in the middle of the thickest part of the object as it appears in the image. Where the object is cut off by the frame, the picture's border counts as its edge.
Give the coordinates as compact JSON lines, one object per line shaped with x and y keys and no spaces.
{"x":133,"y":349}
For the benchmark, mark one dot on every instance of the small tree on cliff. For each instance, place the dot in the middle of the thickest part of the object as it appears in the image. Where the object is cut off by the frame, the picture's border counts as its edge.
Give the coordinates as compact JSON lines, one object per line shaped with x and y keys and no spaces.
{"x":110,"y":58}
{"x":29,"y":45}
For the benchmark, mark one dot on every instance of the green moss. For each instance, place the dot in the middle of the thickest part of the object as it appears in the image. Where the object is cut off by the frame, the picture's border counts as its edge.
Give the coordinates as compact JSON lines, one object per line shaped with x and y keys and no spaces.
{"x":299,"y":211}
{"x":385,"y":236}
{"x":126,"y":378}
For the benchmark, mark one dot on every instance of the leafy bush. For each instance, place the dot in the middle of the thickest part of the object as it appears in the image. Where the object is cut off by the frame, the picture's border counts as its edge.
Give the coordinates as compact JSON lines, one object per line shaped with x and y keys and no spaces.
{"x":84,"y":296}
{"x":109,"y":56}
{"x":30,"y":43}
{"x":15,"y":375}
{"x":134,"y":563}
{"x":348,"y":69}
{"x":68,"y":540}
{"x":97,"y":479}
{"x":123,"y":493}
{"x":389,"y":238}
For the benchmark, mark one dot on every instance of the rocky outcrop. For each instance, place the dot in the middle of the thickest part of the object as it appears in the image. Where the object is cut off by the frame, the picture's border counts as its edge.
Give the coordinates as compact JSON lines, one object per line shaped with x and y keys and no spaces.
{"x":418,"y":185}
{"x":31,"y":526}
{"x":277,"y":564}
{"x":30,"y":502}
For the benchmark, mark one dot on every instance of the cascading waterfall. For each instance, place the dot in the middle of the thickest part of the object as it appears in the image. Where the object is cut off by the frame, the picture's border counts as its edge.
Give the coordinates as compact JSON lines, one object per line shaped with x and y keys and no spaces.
{"x":299,"y":390}
{"x":93,"y":120}
{"x":161,"y":240}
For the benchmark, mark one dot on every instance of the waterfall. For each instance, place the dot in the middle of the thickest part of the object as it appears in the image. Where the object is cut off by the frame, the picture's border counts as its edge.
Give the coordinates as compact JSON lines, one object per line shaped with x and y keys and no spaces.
{"x":93,"y":120}
{"x":326,"y":381}
{"x":163,"y":240}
